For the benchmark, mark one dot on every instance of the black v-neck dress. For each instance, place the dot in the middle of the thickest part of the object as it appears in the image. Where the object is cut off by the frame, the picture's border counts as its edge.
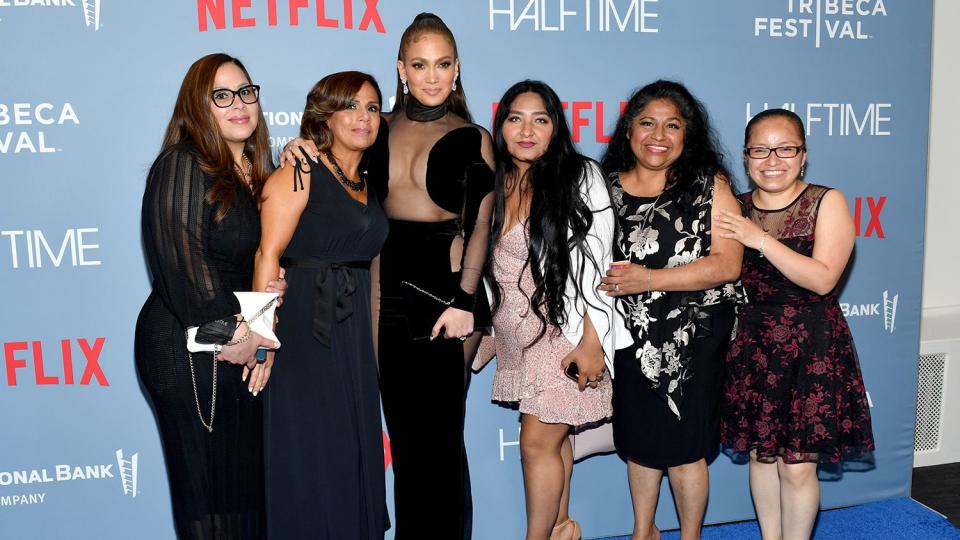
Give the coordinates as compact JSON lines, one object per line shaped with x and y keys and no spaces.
{"x":324,"y":445}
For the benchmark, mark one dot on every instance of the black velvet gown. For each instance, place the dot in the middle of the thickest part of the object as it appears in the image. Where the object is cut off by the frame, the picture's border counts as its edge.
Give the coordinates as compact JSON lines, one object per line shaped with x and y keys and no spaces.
{"x":216,"y":478}
{"x":422,"y":381}
{"x":324,"y":442}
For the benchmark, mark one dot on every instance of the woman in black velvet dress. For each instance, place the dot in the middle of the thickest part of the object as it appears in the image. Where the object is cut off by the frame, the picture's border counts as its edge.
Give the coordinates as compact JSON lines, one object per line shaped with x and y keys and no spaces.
{"x":438,"y":199}
{"x":200,"y":231}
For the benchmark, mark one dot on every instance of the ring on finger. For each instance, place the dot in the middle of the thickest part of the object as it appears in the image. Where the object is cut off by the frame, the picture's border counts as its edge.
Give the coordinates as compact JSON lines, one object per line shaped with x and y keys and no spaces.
{"x":616,"y":287}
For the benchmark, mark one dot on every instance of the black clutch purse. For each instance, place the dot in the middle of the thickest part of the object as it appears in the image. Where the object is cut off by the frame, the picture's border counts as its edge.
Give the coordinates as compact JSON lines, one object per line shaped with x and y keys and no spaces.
{"x":425,"y":305}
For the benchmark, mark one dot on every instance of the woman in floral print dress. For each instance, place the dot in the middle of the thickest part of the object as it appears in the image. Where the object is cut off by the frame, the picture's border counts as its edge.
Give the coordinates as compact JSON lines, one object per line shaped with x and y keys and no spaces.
{"x":794,"y":395}
{"x":678,"y":288}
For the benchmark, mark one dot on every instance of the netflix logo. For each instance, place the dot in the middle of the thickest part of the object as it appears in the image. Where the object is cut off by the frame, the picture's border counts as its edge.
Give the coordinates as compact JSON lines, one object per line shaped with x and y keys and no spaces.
{"x":346,"y":14}
{"x":43,"y":364}
{"x":866,"y":216}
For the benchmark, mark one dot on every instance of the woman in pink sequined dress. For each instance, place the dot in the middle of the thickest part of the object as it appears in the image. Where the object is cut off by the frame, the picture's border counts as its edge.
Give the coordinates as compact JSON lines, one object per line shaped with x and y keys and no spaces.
{"x":552,"y":236}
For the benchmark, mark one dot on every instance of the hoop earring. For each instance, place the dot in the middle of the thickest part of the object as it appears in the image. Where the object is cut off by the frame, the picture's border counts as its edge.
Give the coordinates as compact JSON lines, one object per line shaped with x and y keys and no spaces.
{"x":405,"y":89}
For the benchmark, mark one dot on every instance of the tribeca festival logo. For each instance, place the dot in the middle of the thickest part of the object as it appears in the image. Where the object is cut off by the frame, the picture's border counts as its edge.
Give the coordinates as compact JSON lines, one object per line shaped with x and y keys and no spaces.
{"x":126,"y":472}
{"x":90,"y":8}
{"x":839,"y":20}
{"x":637,"y":16}
{"x":347,"y":14}
{"x":886,"y":308}
{"x":24,"y":126}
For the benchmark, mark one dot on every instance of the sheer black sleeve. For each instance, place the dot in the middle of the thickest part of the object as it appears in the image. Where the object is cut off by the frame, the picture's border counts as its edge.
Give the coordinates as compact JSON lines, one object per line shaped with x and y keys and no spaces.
{"x":478,"y":208}
{"x":175,"y":218}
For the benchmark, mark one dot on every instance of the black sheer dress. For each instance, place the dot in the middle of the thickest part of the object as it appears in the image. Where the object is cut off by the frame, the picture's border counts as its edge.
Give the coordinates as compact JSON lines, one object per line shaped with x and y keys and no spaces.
{"x":426,"y":266}
{"x":216,"y":477}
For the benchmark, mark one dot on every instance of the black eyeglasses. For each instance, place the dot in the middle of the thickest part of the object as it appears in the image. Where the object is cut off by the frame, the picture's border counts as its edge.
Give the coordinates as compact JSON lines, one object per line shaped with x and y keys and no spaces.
{"x":762,"y":152}
{"x":223,"y":97}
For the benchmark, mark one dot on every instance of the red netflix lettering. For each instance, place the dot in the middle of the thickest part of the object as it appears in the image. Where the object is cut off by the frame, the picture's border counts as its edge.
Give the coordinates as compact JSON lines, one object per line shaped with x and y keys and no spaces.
{"x":215,"y":11}
{"x":12,"y":363}
{"x":295,"y":7}
{"x":371,"y":15}
{"x":42,"y":378}
{"x":239,"y":21}
{"x":66,"y":352}
{"x":874,"y":206}
{"x":214,"y":8}
{"x":93,"y":364}
{"x":45,"y":369}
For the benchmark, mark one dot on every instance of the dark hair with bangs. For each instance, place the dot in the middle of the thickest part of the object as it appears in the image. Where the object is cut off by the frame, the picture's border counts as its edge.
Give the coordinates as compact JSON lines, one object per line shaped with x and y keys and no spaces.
{"x":332,"y":94}
{"x":701,"y":156}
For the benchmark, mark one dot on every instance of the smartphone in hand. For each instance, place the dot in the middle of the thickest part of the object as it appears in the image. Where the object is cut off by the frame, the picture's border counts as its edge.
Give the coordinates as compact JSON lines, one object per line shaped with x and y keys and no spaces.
{"x":572,"y":372}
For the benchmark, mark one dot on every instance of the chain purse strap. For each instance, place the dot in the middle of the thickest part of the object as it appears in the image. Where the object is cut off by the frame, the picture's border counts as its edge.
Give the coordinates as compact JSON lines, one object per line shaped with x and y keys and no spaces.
{"x":428,"y":293}
{"x":263,"y":309}
{"x":213,"y":396}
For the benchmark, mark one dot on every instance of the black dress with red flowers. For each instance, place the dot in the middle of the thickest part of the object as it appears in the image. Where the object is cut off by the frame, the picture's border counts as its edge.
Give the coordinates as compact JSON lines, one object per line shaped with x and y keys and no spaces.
{"x":794,"y":389}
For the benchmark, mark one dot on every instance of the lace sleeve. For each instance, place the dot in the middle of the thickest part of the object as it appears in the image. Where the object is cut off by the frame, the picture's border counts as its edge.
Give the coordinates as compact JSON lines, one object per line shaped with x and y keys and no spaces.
{"x":175,"y":216}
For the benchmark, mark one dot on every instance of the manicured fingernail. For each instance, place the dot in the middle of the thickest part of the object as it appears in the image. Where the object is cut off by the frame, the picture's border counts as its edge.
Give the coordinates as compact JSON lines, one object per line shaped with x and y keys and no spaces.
{"x":254,"y":394}
{"x":243,"y":378}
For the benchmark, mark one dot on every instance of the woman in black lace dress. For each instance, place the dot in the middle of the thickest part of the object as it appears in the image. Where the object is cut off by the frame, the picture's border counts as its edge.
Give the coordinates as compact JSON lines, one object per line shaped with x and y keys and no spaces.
{"x":200,"y":232}
{"x":794,"y":396}
{"x":678,"y":288}
{"x":438,"y":198}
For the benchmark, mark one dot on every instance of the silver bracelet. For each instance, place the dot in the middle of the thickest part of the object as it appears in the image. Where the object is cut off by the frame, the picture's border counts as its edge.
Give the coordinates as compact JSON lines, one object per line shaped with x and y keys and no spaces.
{"x":241,"y":339}
{"x":762,"y":242}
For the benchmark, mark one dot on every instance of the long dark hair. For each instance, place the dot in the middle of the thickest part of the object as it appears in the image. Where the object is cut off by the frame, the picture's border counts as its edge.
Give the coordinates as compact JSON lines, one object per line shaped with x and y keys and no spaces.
{"x":559,"y":217}
{"x":701,"y":157}
{"x":331,"y":94}
{"x":428,"y":23}
{"x":193,"y":122}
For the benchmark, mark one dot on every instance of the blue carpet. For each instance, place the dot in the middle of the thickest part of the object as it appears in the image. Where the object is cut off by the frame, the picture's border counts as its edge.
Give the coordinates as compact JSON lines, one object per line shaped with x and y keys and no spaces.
{"x":894,"y":519}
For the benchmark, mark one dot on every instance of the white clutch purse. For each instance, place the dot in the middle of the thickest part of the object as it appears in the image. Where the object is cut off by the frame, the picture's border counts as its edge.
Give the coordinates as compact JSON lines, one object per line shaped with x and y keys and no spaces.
{"x":257,"y":309}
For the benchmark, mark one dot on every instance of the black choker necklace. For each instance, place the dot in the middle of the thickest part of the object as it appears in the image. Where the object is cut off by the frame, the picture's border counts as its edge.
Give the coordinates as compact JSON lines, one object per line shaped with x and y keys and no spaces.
{"x":418,"y":112}
{"x":356,"y":186}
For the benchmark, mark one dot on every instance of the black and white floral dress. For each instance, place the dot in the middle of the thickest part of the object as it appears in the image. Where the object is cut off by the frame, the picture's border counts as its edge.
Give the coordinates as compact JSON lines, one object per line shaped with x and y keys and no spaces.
{"x":667,"y":388}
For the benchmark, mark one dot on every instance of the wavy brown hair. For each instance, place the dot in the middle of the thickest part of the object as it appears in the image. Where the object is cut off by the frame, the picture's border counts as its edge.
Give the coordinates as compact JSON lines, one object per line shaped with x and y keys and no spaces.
{"x":331,"y":94}
{"x":193,"y":123}
{"x":428,"y":23}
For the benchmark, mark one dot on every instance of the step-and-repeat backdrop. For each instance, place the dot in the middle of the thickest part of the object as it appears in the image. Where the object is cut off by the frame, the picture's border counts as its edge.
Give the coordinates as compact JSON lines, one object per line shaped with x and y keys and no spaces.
{"x":86,"y":89}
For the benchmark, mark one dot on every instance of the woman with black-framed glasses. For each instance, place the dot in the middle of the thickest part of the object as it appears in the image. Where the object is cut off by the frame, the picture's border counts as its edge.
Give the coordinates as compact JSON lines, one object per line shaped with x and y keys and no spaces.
{"x":794,"y":396}
{"x":201,"y":227}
